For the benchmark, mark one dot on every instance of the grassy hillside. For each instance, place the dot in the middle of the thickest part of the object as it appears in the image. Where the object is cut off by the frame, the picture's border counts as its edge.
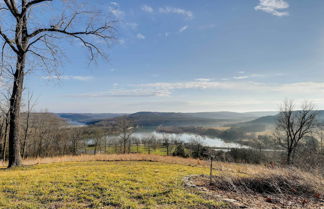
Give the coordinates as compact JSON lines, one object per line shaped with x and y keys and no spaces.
{"x":100,"y":185}
{"x":126,"y":181}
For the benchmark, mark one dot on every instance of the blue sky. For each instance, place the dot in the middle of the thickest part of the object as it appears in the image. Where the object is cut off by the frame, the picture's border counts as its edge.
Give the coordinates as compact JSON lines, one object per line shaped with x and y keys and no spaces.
{"x":195,"y":55}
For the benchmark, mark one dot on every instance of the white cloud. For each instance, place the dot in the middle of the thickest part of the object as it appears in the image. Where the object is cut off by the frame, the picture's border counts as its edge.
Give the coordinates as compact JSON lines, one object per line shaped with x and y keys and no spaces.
{"x":114,"y":10}
{"x":132,"y":25}
{"x":117,"y":13}
{"x":203,"y":79}
{"x":127,"y":93}
{"x":140,"y":36}
{"x":114,"y":3}
{"x":183,"y":28}
{"x":205,"y":84}
{"x":67,"y":77}
{"x":179,"y":11}
{"x":122,"y":41}
{"x":290,"y":88}
{"x":147,"y":8}
{"x":241,"y":76}
{"x":272,"y":7}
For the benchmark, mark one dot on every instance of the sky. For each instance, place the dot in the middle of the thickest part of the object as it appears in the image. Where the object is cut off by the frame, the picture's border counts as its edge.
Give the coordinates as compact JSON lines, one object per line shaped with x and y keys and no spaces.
{"x":195,"y":56}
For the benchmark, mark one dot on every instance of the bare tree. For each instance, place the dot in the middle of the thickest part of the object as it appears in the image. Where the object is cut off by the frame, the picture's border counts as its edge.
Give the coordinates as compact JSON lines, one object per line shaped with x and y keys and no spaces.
{"x":25,"y":38}
{"x":76,"y":134}
{"x":126,"y":129}
{"x":98,"y":136}
{"x":166,"y":143}
{"x":294,"y":125}
{"x":4,"y":108}
{"x":30,"y":106}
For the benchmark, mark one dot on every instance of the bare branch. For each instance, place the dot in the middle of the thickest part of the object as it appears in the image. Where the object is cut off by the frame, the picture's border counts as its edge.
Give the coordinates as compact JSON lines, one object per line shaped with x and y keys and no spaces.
{"x":11,"y":4}
{"x":8,"y":41}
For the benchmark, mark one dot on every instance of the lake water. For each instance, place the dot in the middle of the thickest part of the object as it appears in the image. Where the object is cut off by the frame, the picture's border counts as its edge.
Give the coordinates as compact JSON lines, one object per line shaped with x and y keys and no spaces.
{"x":187,"y":137}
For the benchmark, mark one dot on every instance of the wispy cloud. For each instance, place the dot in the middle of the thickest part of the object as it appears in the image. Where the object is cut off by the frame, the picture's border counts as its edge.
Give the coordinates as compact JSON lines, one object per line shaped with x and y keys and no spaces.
{"x":179,"y":11}
{"x":122,"y":41}
{"x":204,"y":84}
{"x":140,"y":36}
{"x":132,"y":25}
{"x":114,"y":3}
{"x":291,"y":88}
{"x":126,"y":93}
{"x":242,"y":76}
{"x":183,"y":28}
{"x":115,"y":10}
{"x":273,"y":7}
{"x":147,"y":8}
{"x":203,"y":79}
{"x":67,"y":77}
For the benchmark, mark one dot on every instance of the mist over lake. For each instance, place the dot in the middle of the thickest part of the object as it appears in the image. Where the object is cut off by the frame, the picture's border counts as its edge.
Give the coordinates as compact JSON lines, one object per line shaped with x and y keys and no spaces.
{"x":187,"y":137}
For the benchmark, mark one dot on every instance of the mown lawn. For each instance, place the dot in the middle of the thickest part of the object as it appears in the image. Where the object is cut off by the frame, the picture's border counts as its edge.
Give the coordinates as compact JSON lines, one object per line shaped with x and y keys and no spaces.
{"x":100,"y":185}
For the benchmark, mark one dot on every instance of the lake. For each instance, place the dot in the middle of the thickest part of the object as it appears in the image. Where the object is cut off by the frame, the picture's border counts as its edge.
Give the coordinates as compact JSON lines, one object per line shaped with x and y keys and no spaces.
{"x":187,"y":137}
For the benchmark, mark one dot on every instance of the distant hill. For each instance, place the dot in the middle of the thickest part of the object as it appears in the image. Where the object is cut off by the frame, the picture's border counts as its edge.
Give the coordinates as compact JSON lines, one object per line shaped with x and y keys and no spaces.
{"x":259,"y":124}
{"x":250,"y":121}
{"x":150,"y":119}
{"x":88,"y":117}
{"x":267,"y":122}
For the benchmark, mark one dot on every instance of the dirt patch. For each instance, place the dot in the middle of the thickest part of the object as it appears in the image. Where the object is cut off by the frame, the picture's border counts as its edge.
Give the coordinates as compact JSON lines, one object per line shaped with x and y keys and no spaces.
{"x":247,"y":193}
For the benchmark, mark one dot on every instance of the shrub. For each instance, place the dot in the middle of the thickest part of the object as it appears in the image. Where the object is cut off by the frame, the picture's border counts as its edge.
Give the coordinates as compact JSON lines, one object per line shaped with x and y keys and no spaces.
{"x":180,"y":151}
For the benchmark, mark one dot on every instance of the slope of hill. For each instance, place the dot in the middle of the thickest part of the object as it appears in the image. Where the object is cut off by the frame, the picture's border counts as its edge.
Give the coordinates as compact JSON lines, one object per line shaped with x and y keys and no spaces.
{"x":267,"y":122}
{"x":153,"y":119}
{"x":78,"y":185}
{"x":87,"y":117}
{"x":151,"y":181}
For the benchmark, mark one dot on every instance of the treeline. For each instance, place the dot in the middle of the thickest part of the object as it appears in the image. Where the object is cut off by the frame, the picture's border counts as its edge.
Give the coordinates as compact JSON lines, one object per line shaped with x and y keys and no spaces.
{"x":232,"y":134}
{"x":42,"y":134}
{"x":46,"y":135}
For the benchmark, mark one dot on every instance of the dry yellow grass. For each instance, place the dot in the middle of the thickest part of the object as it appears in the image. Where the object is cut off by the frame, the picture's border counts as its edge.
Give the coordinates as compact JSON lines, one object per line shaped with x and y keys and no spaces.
{"x":230,"y":168}
{"x":88,"y":180}
{"x":221,"y":128}
{"x":221,"y":166}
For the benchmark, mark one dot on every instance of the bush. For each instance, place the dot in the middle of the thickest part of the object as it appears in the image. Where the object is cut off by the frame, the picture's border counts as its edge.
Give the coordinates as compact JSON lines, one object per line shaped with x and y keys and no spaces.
{"x":246,"y":156}
{"x":289,"y":184}
{"x":180,"y":151}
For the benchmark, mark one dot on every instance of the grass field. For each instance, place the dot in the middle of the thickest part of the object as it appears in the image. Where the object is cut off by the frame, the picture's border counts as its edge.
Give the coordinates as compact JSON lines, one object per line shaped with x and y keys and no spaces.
{"x":129,"y":184}
{"x":126,"y":181}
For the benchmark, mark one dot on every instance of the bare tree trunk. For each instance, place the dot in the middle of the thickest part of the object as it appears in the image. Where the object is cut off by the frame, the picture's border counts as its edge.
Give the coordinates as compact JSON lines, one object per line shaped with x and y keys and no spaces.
{"x":129,"y":146}
{"x":289,"y":156}
{"x":1,"y":134}
{"x":26,"y":136}
{"x":4,"y":151}
{"x":149,"y":149}
{"x":124,"y":144}
{"x":14,"y":113}
{"x":4,"y":135}
{"x":211,"y":171}
{"x":29,"y":109}
{"x":105,"y":144}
